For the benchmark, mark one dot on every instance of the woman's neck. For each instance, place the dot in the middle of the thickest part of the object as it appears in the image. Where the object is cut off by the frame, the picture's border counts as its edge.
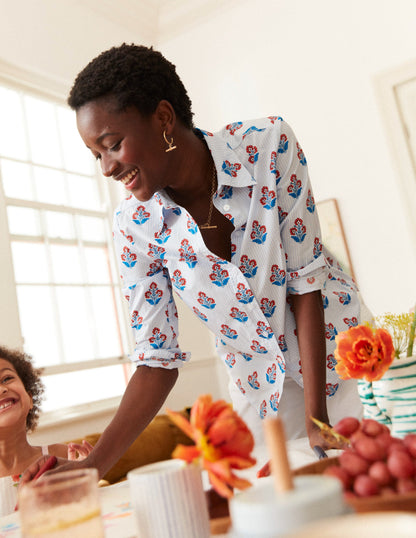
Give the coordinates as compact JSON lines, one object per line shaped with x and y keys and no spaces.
{"x":193,"y":179}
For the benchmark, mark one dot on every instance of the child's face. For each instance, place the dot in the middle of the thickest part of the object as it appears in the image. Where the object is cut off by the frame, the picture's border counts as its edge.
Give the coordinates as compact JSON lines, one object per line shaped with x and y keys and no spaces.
{"x":129,"y":146}
{"x":15,"y":402}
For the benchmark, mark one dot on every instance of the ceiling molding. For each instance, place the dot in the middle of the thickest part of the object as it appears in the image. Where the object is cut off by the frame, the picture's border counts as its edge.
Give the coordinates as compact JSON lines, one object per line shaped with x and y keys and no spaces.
{"x":175,"y":16}
{"x":137,"y":16}
{"x":155,"y":21}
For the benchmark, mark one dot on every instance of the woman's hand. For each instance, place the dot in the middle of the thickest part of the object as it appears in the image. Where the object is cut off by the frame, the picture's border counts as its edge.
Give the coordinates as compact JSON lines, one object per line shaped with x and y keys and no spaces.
{"x":61,"y":465}
{"x":78,"y":452}
{"x":322,"y":435}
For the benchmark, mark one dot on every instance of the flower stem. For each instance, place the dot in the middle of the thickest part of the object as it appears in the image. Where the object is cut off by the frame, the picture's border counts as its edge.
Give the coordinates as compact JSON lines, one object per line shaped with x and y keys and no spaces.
{"x":411,"y":335}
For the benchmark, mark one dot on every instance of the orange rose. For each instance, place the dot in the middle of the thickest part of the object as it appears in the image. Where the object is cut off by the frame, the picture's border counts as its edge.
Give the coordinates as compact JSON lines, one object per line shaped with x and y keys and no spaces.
{"x":223,"y":442}
{"x":363,"y":353}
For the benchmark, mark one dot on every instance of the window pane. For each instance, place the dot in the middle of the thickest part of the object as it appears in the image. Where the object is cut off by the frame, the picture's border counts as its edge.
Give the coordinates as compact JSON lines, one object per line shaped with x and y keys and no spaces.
{"x":29,"y":262}
{"x":92,"y":229}
{"x":77,"y":158}
{"x":74,"y":388}
{"x":17,"y":182}
{"x":38,"y":324}
{"x":59,"y":225}
{"x":98,"y":267}
{"x":73,"y":316}
{"x":106,"y":322}
{"x":83,"y":192}
{"x":49,"y":185}
{"x":42,"y":132}
{"x":66,"y":264}
{"x":12,"y":133}
{"x":23,"y":221}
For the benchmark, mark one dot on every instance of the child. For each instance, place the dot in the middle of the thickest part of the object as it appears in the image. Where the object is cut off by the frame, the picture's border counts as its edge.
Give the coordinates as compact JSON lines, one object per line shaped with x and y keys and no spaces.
{"x":21,"y":392}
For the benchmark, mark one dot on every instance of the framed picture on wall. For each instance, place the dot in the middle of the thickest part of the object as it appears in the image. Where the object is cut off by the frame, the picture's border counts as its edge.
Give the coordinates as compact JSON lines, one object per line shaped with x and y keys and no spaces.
{"x":333,"y":236}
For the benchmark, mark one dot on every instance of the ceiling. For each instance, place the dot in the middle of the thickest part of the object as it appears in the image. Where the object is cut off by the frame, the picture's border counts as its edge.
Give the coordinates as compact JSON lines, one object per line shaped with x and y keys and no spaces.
{"x":156,"y":20}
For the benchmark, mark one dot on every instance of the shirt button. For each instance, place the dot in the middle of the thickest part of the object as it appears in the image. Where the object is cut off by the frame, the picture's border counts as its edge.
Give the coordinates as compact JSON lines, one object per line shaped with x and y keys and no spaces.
{"x":226,"y":207}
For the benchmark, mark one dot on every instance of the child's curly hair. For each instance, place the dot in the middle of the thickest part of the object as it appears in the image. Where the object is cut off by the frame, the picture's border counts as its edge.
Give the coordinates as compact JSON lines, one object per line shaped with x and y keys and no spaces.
{"x":30,"y":377}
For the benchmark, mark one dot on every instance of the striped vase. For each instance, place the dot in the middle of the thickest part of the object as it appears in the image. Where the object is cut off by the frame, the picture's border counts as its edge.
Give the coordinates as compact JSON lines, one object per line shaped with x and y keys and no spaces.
{"x":392,"y":399}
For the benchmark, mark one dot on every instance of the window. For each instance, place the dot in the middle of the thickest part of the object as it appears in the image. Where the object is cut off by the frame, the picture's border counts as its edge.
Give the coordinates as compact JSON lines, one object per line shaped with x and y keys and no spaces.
{"x":58,"y":234}
{"x":396,"y":92}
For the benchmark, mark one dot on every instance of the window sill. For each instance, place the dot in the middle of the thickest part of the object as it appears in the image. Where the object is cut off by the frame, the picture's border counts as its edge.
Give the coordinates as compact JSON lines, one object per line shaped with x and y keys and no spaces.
{"x":77,"y":412}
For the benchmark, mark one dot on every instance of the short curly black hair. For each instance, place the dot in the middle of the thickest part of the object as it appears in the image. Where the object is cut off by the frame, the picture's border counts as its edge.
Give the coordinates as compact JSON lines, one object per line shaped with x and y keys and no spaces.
{"x":134,"y":75}
{"x":30,"y":377}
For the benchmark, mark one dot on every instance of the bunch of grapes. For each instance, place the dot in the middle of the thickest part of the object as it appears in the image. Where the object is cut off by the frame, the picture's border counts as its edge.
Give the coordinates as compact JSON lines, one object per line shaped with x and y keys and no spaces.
{"x":375,"y":463}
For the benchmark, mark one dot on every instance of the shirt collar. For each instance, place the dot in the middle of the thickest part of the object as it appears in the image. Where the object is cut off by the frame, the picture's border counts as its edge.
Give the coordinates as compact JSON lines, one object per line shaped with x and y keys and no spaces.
{"x":230,"y":170}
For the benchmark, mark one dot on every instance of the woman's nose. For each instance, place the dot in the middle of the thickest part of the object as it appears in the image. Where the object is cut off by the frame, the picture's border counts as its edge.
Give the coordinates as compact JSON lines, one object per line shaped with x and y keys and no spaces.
{"x":108,"y":165}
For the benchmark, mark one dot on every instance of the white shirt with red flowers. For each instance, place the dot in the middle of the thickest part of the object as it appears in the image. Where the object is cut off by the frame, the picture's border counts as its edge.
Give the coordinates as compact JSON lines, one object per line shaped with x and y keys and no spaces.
{"x":264,"y":189}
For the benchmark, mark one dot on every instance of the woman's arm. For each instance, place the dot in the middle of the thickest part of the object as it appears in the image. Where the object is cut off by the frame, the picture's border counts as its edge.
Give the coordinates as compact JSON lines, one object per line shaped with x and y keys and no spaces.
{"x":145,"y":394}
{"x":310,"y":328}
{"x":147,"y":390}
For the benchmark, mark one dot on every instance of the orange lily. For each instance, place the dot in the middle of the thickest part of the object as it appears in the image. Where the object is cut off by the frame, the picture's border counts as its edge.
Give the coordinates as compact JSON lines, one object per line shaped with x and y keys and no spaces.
{"x":363,"y":353}
{"x":223,"y":442}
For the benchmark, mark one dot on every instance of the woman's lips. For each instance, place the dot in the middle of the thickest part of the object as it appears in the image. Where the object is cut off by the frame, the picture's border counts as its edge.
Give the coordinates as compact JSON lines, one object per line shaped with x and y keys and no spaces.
{"x":129,"y":179}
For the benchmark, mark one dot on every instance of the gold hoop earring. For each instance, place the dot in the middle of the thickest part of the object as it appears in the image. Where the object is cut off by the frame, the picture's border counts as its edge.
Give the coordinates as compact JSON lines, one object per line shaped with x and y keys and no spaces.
{"x":169,"y":143}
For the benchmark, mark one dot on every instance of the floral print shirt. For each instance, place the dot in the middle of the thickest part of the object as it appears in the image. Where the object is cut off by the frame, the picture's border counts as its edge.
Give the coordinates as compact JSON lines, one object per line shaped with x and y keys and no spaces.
{"x":264,"y":189}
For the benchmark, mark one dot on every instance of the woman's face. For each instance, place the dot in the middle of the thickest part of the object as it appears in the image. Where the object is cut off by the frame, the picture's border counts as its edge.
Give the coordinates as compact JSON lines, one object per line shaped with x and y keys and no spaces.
{"x":15,"y":402}
{"x":129,"y":146}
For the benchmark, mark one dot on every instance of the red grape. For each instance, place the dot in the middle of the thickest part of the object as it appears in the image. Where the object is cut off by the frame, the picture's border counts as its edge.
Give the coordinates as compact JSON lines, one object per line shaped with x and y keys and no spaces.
{"x":347,"y":426}
{"x":364,"y":486}
{"x":400,"y":464}
{"x":353,"y":463}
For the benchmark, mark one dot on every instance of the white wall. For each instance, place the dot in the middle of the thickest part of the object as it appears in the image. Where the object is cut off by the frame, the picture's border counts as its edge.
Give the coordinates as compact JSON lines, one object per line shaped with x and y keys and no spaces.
{"x":56,"y":38}
{"x":313,"y":63}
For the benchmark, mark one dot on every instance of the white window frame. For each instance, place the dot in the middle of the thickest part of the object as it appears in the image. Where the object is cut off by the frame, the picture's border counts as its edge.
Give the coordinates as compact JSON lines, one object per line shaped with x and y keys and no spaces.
{"x":386,"y":87}
{"x":10,"y":330}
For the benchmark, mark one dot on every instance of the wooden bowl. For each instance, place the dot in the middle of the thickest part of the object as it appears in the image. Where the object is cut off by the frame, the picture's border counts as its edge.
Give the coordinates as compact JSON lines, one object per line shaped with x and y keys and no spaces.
{"x":376,"y":503}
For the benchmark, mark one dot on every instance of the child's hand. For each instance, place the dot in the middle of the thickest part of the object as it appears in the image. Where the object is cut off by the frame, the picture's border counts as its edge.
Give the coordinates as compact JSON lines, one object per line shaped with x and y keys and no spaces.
{"x":78,"y":452}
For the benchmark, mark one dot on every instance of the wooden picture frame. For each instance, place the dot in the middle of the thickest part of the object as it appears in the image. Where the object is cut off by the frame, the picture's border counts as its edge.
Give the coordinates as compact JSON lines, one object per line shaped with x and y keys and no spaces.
{"x":333,"y":236}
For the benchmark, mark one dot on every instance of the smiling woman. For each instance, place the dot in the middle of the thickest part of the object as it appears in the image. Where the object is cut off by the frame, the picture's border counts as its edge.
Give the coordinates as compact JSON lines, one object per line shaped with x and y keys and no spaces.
{"x":228,"y":222}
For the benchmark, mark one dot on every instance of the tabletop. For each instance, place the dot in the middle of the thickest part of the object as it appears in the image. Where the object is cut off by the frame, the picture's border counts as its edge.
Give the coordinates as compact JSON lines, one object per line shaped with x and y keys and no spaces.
{"x":117,"y":514}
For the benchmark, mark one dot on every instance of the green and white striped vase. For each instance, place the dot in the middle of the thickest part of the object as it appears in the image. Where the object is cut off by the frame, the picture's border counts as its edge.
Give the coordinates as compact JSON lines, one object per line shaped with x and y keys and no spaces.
{"x":392,"y":399}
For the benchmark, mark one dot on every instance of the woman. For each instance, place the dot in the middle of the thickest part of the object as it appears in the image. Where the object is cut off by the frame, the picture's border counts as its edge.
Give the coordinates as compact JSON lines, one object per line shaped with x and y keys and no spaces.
{"x":228,"y":221}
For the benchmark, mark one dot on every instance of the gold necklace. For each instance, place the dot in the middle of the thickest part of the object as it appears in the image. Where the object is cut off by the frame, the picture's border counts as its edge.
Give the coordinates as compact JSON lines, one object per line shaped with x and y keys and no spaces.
{"x":207,"y":225}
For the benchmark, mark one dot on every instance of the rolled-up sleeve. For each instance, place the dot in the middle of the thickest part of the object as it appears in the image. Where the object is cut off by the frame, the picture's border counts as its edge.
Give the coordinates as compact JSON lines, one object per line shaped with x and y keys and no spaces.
{"x":300,"y":229}
{"x":146,"y":286}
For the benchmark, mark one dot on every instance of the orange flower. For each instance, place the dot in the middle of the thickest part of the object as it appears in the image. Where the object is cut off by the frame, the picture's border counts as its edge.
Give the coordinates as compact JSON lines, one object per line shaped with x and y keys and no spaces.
{"x":223,"y":442}
{"x":363,"y":353}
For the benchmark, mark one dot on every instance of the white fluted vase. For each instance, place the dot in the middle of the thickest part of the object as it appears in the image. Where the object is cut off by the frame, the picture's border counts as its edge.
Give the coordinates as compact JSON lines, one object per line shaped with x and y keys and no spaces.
{"x":392,"y":399}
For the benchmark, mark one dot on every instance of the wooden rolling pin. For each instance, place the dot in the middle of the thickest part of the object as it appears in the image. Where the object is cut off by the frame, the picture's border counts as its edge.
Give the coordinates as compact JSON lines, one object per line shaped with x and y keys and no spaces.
{"x":279,"y":461}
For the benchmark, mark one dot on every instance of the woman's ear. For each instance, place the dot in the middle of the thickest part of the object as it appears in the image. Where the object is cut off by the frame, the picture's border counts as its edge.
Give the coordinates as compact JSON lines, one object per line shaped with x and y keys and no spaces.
{"x":166,"y":116}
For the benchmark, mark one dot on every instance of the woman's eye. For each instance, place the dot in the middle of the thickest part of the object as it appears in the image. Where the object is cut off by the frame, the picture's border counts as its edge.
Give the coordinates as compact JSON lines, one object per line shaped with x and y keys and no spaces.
{"x":116,"y":147}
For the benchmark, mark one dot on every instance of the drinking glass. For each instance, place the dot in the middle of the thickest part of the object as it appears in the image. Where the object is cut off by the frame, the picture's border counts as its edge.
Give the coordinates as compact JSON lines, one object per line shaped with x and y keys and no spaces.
{"x":61,"y":505}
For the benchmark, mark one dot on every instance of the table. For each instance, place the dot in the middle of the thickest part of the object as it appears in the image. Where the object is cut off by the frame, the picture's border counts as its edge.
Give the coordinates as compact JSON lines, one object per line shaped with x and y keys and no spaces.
{"x":116,"y":507}
{"x":116,"y":511}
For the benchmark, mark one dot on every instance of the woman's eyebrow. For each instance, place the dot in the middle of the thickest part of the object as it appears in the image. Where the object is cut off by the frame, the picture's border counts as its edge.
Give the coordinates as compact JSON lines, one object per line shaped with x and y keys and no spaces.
{"x":104,"y":135}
